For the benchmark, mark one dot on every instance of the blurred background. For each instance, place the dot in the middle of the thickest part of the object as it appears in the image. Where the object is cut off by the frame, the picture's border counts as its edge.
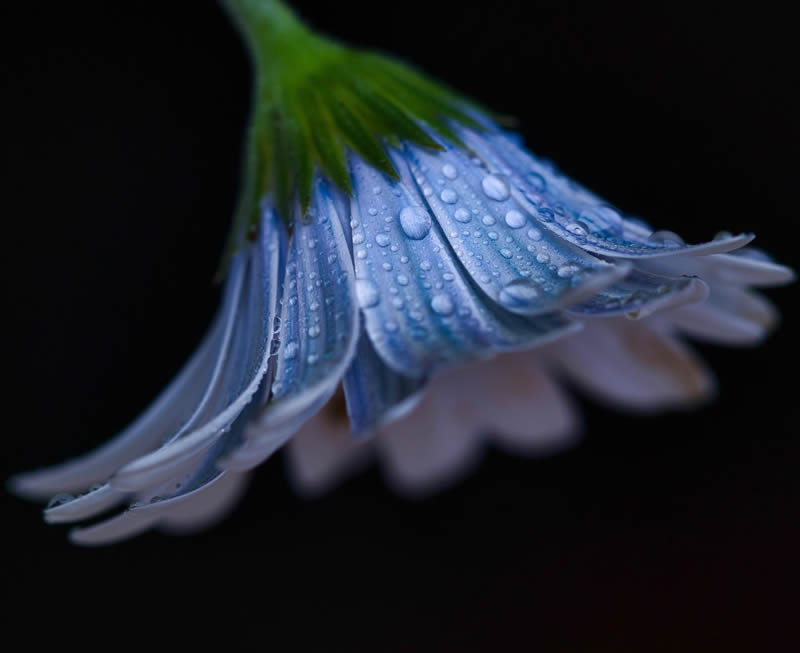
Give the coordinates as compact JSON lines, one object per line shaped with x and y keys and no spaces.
{"x":121,"y":139}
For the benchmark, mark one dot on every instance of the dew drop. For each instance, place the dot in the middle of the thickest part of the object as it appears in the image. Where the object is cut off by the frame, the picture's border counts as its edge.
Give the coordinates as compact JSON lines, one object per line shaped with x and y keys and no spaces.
{"x":415,"y":221}
{"x":668,"y":238}
{"x":488,"y":220}
{"x":461,"y":214}
{"x":402,"y":279}
{"x":534,"y":234}
{"x":566,"y":271}
{"x":578,"y":228}
{"x":537,"y":181}
{"x":367,"y":293}
{"x":59,"y":500}
{"x":495,"y":188}
{"x":290,"y":351}
{"x":449,"y":196}
{"x":449,"y":171}
{"x":442,"y":304}
{"x":382,"y":240}
{"x":506,"y":253}
{"x":358,"y":238}
{"x":519,"y":293}
{"x":515,"y":219}
{"x":313,"y":331}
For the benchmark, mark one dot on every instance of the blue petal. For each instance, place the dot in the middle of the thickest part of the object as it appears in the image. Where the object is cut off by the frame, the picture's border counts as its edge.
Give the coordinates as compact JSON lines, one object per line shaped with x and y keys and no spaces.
{"x":375,"y":393}
{"x":420,"y":309}
{"x":641,"y":294}
{"x":523,"y":267}
{"x":241,"y":366}
{"x":575,"y":214}
{"x":318,"y":332}
{"x":166,"y":415}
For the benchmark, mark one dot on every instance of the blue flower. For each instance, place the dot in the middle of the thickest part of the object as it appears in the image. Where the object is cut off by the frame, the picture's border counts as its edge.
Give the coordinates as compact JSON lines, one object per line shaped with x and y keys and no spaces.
{"x":408,"y":311}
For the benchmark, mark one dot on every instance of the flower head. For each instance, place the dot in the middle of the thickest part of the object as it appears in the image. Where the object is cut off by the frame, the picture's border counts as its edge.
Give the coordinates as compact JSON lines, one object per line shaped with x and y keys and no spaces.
{"x":395,"y":248}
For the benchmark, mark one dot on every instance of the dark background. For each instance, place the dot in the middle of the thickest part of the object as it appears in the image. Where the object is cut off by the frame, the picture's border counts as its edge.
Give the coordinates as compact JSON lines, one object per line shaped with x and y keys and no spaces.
{"x":122,"y":129}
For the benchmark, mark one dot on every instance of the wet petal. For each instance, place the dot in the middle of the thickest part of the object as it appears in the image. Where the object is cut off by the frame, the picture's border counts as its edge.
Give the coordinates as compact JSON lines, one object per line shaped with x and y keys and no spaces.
{"x":502,"y":246}
{"x":319,"y":330}
{"x":420,"y":309}
{"x":575,"y":214}
{"x":641,"y":294}
{"x":633,"y":366}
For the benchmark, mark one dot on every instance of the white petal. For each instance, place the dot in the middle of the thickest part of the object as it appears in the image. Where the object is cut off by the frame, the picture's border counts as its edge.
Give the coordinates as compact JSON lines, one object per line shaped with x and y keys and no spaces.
{"x":633,"y":366}
{"x":324,"y":451}
{"x":205,"y":507}
{"x":441,"y":439}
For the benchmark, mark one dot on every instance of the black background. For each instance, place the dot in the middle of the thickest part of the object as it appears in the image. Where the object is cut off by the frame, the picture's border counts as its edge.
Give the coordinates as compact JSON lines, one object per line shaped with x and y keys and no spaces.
{"x":122,"y":129}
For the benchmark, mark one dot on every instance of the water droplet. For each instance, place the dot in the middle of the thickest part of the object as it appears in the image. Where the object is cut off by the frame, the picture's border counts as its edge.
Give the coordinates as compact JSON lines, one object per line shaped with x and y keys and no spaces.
{"x":461,"y":214}
{"x":488,"y":220}
{"x":391,"y":327}
{"x":492,"y":235}
{"x":545,"y":214}
{"x":537,"y":181}
{"x":382,"y":240}
{"x":566,"y":271}
{"x":534,"y":234}
{"x":313,"y":331}
{"x":449,"y":171}
{"x":387,"y":266}
{"x":578,"y":228}
{"x":358,"y":238}
{"x":367,"y":293}
{"x":425,"y":265}
{"x":376,"y":190}
{"x":402,"y":279}
{"x":415,"y":221}
{"x":290,"y":351}
{"x":314,"y":306}
{"x":362,"y":254}
{"x":668,"y":238}
{"x":543,"y":258}
{"x":373,"y":211}
{"x":448,"y":276}
{"x":495,"y":188}
{"x":506,"y":252}
{"x":515,"y":219}
{"x":449,"y":196}
{"x":442,"y":304}
{"x":59,"y":500}
{"x":518,"y":293}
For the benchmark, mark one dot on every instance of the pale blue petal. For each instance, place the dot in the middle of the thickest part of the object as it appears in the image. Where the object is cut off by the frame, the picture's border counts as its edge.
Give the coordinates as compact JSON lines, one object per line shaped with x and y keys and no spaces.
{"x":375,"y":393}
{"x":318,"y":332}
{"x":173,"y":408}
{"x":420,"y":308}
{"x":523,"y":267}
{"x":641,"y":294}
{"x":575,"y":214}
{"x":242,"y":363}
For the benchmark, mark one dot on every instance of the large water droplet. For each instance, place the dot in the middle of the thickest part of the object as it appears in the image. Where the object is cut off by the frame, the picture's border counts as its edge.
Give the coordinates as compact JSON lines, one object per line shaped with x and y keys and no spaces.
{"x":515,"y":219}
{"x":495,"y":188}
{"x":415,"y":221}
{"x":461,"y":214}
{"x":367,"y":293}
{"x":668,"y":238}
{"x":442,"y":304}
{"x":449,"y":171}
{"x":519,"y":293}
{"x":448,"y":196}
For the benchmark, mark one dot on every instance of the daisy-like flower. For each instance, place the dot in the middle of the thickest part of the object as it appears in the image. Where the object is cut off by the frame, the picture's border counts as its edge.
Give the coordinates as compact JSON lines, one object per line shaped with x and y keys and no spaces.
{"x":402,"y":279}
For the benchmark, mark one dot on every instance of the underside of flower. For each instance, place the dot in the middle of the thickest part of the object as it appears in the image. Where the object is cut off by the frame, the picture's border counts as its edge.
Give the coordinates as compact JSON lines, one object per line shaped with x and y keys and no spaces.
{"x":406,"y":281}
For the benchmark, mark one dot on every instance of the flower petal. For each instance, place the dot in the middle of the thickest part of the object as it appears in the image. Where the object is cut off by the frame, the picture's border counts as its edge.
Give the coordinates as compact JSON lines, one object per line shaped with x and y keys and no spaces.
{"x":319,"y":331}
{"x":575,"y":214}
{"x":420,"y":310}
{"x":730,"y":316}
{"x":524,"y":268}
{"x":241,"y":367}
{"x":159,"y":422}
{"x":641,"y":294}
{"x":633,"y":366}
{"x":375,"y":393}
{"x":508,"y":397}
{"x":323,"y":452}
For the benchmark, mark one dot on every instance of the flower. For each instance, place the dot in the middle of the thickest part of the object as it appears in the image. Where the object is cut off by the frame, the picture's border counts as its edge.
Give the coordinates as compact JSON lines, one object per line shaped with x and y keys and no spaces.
{"x":396,"y":253}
